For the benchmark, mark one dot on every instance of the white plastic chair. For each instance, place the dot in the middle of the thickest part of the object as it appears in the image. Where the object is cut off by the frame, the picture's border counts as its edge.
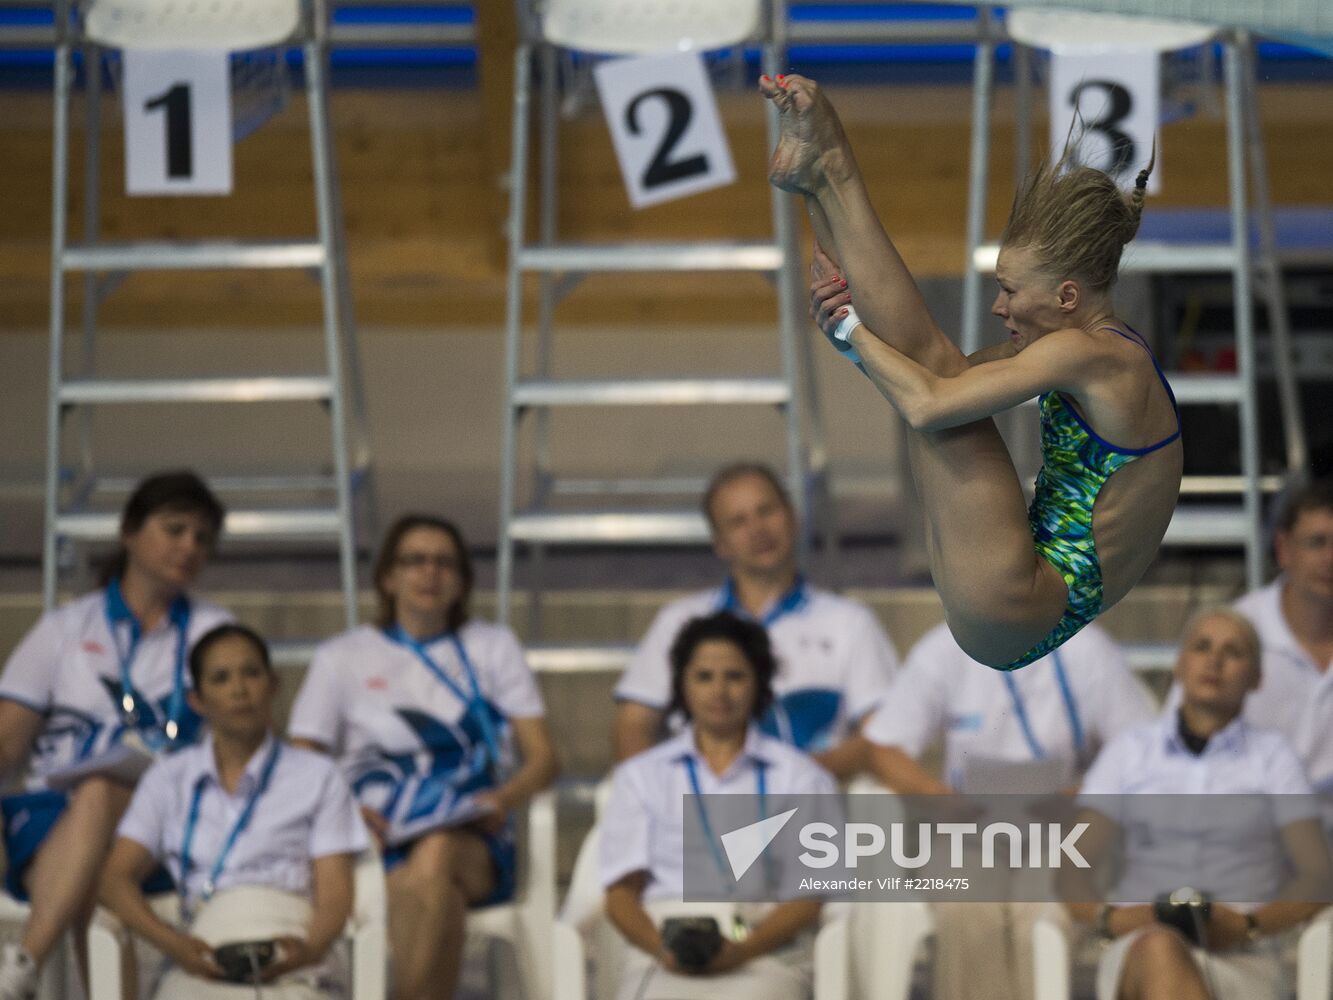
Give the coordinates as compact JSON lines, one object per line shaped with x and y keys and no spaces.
{"x":886,"y":938}
{"x":640,"y":26}
{"x":230,"y":25}
{"x":366,"y":930}
{"x":1061,"y":30}
{"x":53,"y":981}
{"x":583,"y":930}
{"x":525,"y":924}
{"x":1314,"y":980}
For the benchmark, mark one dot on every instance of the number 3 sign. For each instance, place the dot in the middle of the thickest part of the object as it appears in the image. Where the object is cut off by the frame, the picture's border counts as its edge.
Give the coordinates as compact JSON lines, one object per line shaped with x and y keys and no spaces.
{"x":665,"y":126}
{"x":177,"y":122}
{"x":1115,"y":94}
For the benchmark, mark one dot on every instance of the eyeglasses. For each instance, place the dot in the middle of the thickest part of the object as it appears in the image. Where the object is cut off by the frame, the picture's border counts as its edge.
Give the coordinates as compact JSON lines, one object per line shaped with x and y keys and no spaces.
{"x":420,"y":560}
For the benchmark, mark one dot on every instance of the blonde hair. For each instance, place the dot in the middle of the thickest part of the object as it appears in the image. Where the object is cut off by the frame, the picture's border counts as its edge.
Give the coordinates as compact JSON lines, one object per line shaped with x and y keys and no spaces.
{"x":1076,"y":220}
{"x":1253,"y":645}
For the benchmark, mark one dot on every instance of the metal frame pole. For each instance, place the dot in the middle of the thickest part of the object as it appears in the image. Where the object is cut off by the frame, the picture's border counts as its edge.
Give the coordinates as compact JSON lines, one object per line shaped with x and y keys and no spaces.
{"x":983,"y":77}
{"x":55,"y":370}
{"x":518,"y":175}
{"x":315,"y":48}
{"x":1244,"y":306}
{"x":1279,"y":319}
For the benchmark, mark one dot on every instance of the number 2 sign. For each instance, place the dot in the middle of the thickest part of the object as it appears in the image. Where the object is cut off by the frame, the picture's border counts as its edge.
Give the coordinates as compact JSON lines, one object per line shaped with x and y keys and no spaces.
{"x":664,"y":126}
{"x":177,"y":108}
{"x":1115,"y":94}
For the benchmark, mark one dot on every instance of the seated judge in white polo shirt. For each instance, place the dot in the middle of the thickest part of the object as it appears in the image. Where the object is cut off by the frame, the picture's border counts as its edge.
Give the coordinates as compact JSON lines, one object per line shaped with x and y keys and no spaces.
{"x":423,"y":711}
{"x":1276,"y":853}
{"x":1294,"y":618}
{"x":721,"y":681}
{"x":260,"y":838}
{"x":103,"y":668}
{"x":1030,"y":731}
{"x":834,"y":660}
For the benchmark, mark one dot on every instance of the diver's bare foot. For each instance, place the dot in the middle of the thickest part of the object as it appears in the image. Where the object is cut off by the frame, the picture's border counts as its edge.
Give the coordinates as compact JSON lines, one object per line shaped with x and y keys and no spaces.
{"x":812,"y":148}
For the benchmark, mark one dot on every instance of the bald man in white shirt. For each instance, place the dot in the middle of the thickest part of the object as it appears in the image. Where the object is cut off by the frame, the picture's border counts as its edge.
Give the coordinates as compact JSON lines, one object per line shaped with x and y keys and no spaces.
{"x":1265,"y":873}
{"x":1044,"y":724}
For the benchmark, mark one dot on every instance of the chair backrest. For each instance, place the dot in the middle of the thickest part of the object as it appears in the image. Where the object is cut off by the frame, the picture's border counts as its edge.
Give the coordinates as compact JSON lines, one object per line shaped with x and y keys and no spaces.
{"x":1057,"y":30}
{"x":627,"y":27}
{"x":583,"y":900}
{"x":218,"y":25}
{"x":368,"y":893}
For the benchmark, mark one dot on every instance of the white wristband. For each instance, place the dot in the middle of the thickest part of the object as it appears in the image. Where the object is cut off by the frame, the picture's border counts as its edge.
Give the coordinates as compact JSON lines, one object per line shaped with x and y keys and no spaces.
{"x":842,"y":336}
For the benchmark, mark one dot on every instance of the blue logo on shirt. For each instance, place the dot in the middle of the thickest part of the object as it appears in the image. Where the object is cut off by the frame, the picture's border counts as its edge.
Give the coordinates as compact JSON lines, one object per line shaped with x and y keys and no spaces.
{"x":803,"y":718}
{"x":454,"y":762}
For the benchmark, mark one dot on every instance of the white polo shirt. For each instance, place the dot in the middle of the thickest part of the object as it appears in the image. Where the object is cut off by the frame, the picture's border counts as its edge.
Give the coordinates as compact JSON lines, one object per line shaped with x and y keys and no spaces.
{"x":643,"y":823}
{"x":1240,"y":857}
{"x":306,"y":812}
{"x":68,"y":668}
{"x":1295,"y":694}
{"x":400,"y":734}
{"x":1065,"y":706}
{"x":834,"y":664}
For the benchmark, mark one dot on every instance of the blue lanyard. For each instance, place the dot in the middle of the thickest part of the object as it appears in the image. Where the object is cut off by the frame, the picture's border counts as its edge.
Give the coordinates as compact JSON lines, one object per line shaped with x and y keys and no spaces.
{"x":761,"y":785}
{"x":1066,"y":695}
{"x":179,"y":616}
{"x":242,"y":821}
{"x":793,"y":600}
{"x":473,"y":703}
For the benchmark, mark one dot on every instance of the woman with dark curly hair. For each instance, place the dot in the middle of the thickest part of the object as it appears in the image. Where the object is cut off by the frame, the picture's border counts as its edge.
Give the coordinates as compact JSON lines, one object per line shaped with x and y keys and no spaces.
{"x":722,"y":682}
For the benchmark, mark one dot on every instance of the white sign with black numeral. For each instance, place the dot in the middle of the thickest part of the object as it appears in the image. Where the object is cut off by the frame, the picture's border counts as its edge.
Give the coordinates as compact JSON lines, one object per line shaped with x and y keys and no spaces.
{"x":177,"y":122}
{"x":665,"y":126}
{"x":1116,"y":95}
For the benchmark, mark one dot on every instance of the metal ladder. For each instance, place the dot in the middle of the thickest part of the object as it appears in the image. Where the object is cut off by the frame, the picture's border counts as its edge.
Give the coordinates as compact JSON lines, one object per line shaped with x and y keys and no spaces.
{"x":67,"y":516}
{"x":559,"y":266}
{"x":1238,"y":522}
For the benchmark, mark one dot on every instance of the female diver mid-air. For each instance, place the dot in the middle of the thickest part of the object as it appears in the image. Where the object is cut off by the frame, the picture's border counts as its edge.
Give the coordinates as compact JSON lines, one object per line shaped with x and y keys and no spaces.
{"x":1015,"y":583}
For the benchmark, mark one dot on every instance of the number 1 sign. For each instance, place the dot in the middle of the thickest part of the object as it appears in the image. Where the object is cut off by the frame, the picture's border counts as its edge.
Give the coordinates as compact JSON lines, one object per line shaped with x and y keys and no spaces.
{"x":665,"y":126}
{"x":177,"y":122}
{"x":1115,"y":94}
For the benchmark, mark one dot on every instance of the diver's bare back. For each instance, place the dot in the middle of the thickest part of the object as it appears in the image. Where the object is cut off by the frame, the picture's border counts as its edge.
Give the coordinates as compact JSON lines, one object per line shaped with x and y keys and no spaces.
{"x":1133,"y":410}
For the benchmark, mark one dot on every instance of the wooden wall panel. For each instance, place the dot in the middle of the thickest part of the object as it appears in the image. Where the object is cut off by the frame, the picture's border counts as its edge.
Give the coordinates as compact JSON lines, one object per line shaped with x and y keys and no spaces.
{"x":424,"y":203}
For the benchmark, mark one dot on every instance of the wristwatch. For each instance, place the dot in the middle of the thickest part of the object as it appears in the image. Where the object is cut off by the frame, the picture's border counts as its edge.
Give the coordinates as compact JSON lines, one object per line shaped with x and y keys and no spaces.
{"x":1252,"y":932}
{"x":1104,"y":921}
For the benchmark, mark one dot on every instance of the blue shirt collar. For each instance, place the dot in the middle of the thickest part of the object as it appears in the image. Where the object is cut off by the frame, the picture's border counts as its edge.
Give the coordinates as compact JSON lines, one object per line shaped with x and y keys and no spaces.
{"x":118,"y":611}
{"x":792,"y":600}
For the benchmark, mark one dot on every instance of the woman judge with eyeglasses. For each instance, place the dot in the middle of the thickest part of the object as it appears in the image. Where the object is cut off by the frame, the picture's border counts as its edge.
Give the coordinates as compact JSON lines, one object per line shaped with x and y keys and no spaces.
{"x":422,"y":709}
{"x":722,"y":682}
{"x":92,"y":678}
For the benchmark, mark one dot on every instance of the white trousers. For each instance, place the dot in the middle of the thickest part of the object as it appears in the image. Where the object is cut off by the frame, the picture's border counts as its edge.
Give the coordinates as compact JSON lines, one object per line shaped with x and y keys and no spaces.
{"x":251,"y":913}
{"x":786,"y":974}
{"x":1247,"y":973}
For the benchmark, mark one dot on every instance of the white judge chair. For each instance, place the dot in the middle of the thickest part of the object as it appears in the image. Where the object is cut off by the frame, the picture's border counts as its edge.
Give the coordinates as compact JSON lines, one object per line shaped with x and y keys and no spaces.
{"x":238,"y":29}
{"x":365,"y":931}
{"x":524,"y":925}
{"x":1051,"y":952}
{"x":623,"y":28}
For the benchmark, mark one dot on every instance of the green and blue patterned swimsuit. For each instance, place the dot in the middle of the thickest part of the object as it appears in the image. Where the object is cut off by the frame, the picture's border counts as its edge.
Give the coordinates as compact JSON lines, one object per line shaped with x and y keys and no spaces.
{"x":1076,"y":463}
